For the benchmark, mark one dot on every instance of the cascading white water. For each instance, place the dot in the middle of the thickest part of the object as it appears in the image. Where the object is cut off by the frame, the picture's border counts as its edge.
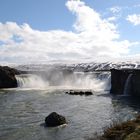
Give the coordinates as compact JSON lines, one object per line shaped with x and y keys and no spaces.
{"x":76,"y":80}
{"x":84,"y":81}
{"x":127,"y":86}
{"x":108,"y":83}
{"x":30,"y":81}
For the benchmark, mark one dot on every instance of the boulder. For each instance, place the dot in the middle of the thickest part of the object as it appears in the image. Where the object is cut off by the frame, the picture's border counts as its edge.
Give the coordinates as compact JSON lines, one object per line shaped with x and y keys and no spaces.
{"x":7,"y":77}
{"x":54,"y":119}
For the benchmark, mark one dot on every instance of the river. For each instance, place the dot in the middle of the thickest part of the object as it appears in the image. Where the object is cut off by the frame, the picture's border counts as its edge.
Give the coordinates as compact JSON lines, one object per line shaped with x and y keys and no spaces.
{"x":23,"y":111}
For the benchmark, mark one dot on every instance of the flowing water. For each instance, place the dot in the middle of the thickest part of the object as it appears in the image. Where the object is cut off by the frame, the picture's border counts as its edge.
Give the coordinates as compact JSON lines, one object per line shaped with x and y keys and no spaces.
{"x":23,"y":110}
{"x":127,"y":86}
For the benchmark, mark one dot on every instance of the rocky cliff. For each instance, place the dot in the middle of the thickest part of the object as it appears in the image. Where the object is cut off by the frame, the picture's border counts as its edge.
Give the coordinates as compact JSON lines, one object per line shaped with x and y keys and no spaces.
{"x":119,"y":81}
{"x":7,"y":77}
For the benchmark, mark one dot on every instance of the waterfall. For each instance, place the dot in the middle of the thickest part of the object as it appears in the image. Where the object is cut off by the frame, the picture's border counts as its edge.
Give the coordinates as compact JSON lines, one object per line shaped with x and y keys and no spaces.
{"x":75,"y":80}
{"x":30,"y":81}
{"x":108,"y":83}
{"x":127,"y":86}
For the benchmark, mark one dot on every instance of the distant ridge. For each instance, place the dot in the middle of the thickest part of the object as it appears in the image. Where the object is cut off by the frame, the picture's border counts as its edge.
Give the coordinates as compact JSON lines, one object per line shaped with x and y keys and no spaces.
{"x":82,"y":67}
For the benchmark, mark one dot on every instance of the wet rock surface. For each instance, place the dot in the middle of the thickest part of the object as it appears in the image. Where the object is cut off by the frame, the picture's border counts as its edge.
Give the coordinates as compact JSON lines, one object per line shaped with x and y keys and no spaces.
{"x":76,"y":92}
{"x":54,"y":119}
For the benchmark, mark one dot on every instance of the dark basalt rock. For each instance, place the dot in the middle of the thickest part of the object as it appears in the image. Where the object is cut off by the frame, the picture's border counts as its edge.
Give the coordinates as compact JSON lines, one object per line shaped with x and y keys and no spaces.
{"x":7,"y":77}
{"x":54,"y":120}
{"x":119,"y":79}
{"x":86,"y":93}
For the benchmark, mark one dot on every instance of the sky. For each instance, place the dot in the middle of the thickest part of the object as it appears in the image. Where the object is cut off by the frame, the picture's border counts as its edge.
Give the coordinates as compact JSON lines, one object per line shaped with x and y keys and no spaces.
{"x":41,"y":31}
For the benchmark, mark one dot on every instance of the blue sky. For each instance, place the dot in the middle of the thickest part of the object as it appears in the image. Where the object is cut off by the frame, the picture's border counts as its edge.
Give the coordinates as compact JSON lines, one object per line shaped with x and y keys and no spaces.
{"x":39,"y":14}
{"x":69,"y":30}
{"x":53,"y":14}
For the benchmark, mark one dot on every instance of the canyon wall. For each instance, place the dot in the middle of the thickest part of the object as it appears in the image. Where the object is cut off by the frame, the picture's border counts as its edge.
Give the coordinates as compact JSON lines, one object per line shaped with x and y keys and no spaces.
{"x":125,"y":79}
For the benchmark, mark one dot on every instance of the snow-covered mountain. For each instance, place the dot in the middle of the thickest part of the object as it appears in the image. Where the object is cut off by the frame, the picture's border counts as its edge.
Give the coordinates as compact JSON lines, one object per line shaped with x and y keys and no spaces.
{"x":81,"y":67}
{"x":87,"y":67}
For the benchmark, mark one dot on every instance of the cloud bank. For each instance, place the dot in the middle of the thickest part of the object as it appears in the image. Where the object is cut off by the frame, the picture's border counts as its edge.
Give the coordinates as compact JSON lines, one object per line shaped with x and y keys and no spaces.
{"x":93,"y":38}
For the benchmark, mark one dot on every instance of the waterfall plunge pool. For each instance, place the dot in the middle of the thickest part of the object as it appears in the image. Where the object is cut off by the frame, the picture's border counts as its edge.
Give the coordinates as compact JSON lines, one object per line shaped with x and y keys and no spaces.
{"x":23,"y":111}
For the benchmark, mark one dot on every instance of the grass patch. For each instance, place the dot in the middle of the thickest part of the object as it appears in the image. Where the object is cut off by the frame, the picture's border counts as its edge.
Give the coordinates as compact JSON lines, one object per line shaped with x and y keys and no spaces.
{"x":129,"y":130}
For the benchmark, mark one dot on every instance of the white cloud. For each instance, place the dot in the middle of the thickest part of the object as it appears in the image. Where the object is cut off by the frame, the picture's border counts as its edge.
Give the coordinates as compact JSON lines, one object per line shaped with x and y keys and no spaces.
{"x":115,"y":9}
{"x":113,"y":18}
{"x":134,"y":19}
{"x":93,"y":37}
